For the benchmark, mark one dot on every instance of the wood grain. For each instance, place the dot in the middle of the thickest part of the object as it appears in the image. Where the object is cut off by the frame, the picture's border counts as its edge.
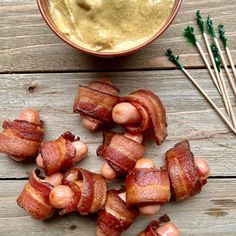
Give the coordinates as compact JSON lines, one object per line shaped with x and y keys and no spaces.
{"x":211,"y":213}
{"x":27,"y":44}
{"x":189,"y":115}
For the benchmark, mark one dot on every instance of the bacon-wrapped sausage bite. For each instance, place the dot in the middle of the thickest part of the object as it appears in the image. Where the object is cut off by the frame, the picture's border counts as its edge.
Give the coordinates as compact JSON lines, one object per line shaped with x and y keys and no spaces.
{"x":142,"y":111}
{"x":161,"y":227}
{"x":82,"y":191}
{"x":95,"y":103}
{"x":187,"y":175}
{"x":61,"y":154}
{"x":121,"y":152}
{"x":147,"y":187}
{"x":21,"y":138}
{"x":116,"y":217}
{"x":35,"y":197}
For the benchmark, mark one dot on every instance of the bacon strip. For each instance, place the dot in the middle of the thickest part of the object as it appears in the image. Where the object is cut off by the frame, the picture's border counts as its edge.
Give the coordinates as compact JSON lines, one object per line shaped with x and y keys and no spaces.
{"x":35,"y":197}
{"x":21,"y":139}
{"x":116,"y":217}
{"x":184,"y":178}
{"x":58,"y":154}
{"x":89,"y":191}
{"x":96,"y":101}
{"x":153,"y":113}
{"x":120,"y":152}
{"x":147,"y":186}
{"x":151,"y":229}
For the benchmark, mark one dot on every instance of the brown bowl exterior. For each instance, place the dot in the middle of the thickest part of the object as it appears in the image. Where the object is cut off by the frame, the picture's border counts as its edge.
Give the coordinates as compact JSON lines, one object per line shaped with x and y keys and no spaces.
{"x":44,"y":10}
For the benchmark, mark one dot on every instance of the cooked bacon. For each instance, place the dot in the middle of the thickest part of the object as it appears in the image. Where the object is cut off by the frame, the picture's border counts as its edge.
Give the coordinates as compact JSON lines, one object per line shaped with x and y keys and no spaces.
{"x":90,"y":196}
{"x":153,"y":114}
{"x":147,"y":186}
{"x":58,"y":154}
{"x":21,"y":139}
{"x":151,"y":229}
{"x":35,"y":197}
{"x":96,"y":101}
{"x":120,"y":152}
{"x":115,"y":217}
{"x":184,"y":178}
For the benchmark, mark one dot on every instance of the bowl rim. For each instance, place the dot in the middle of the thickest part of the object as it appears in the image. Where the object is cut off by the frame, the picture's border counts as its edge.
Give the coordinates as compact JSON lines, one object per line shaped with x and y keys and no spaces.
{"x":109,"y":54}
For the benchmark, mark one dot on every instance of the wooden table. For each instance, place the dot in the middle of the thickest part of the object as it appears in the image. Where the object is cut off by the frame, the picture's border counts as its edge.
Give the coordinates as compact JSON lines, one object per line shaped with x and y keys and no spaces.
{"x":38,"y":70}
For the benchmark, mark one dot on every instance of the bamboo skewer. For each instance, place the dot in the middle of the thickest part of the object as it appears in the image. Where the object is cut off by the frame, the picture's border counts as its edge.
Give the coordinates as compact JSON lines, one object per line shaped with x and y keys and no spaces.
{"x":218,"y":63}
{"x":225,"y":43}
{"x":202,"y":28}
{"x":219,"y":78}
{"x":228,"y":100}
{"x":208,"y":65}
{"x":175,"y":59}
{"x":213,"y":34}
{"x":226,"y":67}
{"x":190,"y":35}
{"x":212,"y":60}
{"x":231,"y":61}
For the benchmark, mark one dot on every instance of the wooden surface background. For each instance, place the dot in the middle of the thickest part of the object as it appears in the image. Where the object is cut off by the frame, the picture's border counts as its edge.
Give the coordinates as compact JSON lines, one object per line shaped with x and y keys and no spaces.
{"x":38,"y":70}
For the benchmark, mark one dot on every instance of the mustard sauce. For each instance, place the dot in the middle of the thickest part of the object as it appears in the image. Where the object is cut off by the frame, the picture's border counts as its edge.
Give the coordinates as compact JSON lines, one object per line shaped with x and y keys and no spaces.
{"x":110,"y":25}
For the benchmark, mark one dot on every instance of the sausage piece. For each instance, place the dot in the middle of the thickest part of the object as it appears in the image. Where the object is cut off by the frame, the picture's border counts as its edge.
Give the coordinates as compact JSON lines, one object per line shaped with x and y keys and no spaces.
{"x":81,"y":151}
{"x":30,"y":115}
{"x":61,"y":154}
{"x":54,"y":179}
{"x":21,"y":138}
{"x":125,"y":113}
{"x":107,"y":171}
{"x":168,"y":229}
{"x":202,"y":167}
{"x":152,"y":208}
{"x":61,"y":196}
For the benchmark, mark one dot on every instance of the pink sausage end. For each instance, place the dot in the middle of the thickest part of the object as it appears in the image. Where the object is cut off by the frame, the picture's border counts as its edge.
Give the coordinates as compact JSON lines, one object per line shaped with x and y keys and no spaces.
{"x":107,"y":172}
{"x":144,"y":163}
{"x":89,"y":124}
{"x":30,"y":115}
{"x":136,"y":137}
{"x":150,"y":210}
{"x":54,"y":179}
{"x":203,"y":168}
{"x":168,"y":229}
{"x":125,"y":113}
{"x":81,"y":151}
{"x":39,"y":161}
{"x":60,"y":196}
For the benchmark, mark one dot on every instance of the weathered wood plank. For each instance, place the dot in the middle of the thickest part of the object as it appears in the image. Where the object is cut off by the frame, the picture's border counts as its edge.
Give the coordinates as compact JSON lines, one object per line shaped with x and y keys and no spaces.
{"x":189,"y":115}
{"x":211,"y":213}
{"x":27,"y":44}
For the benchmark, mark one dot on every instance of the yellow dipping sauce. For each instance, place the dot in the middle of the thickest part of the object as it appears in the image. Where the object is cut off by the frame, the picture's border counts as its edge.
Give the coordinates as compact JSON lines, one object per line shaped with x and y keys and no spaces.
{"x":110,"y":25}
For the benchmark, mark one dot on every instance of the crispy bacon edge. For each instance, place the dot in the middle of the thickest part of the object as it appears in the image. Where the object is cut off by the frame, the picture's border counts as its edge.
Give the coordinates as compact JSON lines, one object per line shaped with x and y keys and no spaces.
{"x":154,"y":225}
{"x":35,"y":197}
{"x":115,"y":217}
{"x":153,"y":114}
{"x":58,"y":154}
{"x":146,"y":186}
{"x":92,"y":195}
{"x":21,"y":139}
{"x":96,"y":101}
{"x":185,"y":181}
{"x":120,"y":152}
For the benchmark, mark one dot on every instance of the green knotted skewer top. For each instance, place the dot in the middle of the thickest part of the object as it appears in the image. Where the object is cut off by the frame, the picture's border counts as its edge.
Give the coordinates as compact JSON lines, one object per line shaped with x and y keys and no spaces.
{"x":200,"y":21}
{"x":222,"y":35}
{"x":217,"y":57}
{"x":174,"y":58}
{"x":189,"y":34}
{"x":210,"y":27}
